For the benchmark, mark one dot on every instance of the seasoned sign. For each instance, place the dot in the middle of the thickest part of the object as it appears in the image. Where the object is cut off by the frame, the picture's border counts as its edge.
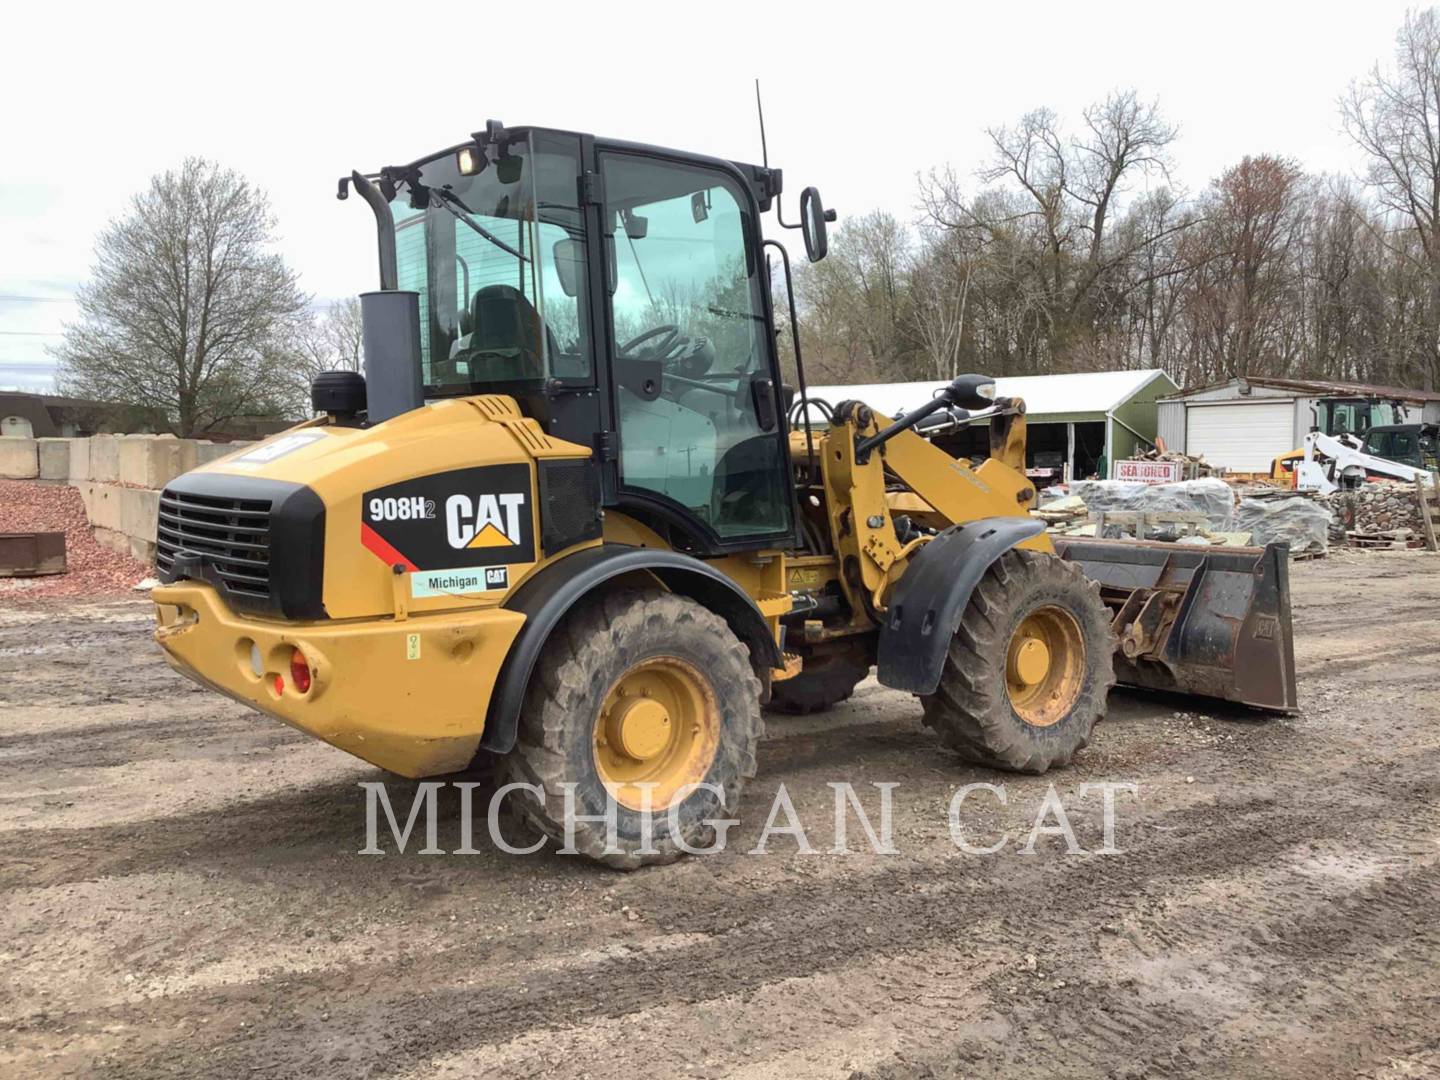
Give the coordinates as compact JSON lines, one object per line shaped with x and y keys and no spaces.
{"x":1148,"y":472}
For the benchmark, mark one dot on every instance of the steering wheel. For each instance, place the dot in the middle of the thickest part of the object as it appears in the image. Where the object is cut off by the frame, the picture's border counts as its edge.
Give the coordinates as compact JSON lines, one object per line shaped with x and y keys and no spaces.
{"x":669,"y":333}
{"x":697,"y":356}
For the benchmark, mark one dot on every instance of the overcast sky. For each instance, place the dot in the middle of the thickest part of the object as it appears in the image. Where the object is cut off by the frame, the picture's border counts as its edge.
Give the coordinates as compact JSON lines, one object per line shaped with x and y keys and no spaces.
{"x":859,"y":98}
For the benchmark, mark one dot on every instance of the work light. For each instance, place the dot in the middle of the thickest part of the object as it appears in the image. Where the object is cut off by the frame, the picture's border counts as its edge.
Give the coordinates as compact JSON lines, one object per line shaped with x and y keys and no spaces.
{"x":470,"y":160}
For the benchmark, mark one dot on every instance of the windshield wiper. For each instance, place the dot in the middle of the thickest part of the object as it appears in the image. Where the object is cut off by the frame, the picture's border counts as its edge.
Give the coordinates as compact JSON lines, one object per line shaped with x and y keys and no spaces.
{"x":449,"y":200}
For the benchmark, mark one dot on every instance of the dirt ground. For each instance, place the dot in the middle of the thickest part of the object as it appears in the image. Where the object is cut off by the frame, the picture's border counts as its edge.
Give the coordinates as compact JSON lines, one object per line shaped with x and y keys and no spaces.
{"x":183,"y":894}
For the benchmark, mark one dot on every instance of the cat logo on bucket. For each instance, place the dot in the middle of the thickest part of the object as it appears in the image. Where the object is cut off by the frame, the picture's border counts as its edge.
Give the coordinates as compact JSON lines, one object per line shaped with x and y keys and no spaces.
{"x":486,"y":521}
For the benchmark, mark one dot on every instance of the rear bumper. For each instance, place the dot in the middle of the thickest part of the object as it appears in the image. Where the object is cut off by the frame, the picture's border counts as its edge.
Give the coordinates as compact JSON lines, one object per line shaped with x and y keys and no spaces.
{"x":409,"y":696}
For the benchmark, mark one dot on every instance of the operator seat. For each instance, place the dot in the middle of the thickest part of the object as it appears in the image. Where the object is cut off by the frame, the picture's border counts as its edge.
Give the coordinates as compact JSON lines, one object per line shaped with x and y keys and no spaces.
{"x":503,"y":342}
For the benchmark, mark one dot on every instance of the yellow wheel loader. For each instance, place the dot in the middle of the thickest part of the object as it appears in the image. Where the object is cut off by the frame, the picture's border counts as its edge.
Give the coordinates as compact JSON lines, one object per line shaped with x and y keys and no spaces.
{"x":564,"y":521}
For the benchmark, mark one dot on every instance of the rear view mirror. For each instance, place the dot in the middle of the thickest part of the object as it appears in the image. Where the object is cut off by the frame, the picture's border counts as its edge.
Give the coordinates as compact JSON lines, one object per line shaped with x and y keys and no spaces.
{"x":813,"y":218}
{"x":508,"y":168}
{"x":569,"y":262}
{"x":636,"y":227}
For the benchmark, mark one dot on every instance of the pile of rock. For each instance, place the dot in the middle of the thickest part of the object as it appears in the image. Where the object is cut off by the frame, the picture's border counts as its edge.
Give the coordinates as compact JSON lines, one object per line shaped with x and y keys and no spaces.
{"x":1211,"y":497}
{"x":1204,"y":511}
{"x":1303,"y":523}
{"x":1379,"y":507}
{"x":92,"y":570}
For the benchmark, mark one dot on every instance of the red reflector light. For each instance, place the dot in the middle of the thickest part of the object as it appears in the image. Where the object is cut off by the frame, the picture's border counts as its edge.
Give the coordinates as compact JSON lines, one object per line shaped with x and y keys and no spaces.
{"x":279,"y":685}
{"x":300,"y":672}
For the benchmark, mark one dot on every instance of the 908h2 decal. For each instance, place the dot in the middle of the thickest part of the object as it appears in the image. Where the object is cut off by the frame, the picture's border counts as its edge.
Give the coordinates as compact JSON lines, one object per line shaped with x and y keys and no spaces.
{"x":453,"y":532}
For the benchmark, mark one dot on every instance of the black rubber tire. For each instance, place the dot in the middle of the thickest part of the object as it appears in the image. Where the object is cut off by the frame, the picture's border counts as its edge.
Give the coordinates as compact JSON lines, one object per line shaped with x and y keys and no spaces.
{"x":585,"y":655}
{"x":826,"y":680}
{"x":971,"y":709}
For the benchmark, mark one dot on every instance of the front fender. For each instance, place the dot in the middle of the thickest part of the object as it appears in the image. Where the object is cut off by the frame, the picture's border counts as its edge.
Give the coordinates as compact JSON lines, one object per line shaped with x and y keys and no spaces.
{"x":545,"y":598}
{"x":928,"y":600}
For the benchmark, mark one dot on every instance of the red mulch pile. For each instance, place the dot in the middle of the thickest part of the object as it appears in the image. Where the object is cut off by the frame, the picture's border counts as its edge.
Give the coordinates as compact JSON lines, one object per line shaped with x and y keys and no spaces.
{"x":92,"y":570}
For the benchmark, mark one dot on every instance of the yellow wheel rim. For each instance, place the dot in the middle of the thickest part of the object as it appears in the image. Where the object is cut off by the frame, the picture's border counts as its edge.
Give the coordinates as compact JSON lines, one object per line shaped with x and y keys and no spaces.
{"x":1045,"y":666}
{"x":659,"y":724}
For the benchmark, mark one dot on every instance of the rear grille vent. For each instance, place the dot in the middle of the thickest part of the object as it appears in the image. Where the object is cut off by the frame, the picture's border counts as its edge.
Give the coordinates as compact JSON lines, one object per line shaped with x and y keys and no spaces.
{"x":222,"y":540}
{"x":569,"y":503}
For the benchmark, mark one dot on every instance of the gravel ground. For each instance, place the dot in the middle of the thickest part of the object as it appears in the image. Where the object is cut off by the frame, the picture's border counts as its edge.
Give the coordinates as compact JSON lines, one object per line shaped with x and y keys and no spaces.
{"x":92,"y":571}
{"x":181,"y":894}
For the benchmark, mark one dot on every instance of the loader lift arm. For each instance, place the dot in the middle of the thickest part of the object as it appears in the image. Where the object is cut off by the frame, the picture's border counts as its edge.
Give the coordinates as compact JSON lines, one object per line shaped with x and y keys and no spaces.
{"x":1189,"y":620}
{"x":916,"y":584}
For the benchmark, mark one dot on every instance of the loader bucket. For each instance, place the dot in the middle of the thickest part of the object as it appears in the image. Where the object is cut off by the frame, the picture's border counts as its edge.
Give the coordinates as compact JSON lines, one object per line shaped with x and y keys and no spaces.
{"x":1197,"y":620}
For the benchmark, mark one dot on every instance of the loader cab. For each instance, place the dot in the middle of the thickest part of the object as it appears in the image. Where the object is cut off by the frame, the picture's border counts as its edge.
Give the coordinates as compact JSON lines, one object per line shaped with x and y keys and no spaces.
{"x":617,"y":292}
{"x":1416,"y":445}
{"x":1355,"y":416}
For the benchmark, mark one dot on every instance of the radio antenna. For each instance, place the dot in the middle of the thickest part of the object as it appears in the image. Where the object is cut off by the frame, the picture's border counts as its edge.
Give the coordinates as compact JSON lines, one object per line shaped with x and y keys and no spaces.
{"x":759,"y":108}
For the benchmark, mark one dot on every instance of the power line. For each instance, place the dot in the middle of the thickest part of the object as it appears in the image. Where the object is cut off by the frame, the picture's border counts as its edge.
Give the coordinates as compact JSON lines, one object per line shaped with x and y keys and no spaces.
{"x":31,"y":333}
{"x":37,"y":299}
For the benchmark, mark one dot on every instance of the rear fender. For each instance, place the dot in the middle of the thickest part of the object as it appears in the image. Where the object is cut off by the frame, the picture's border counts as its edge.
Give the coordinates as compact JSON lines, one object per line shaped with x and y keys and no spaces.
{"x":930,"y":597}
{"x":547,"y":596}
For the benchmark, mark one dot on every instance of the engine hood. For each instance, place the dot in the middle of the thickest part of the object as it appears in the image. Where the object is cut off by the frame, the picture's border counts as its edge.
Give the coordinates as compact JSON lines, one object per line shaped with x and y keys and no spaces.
{"x":433,"y":509}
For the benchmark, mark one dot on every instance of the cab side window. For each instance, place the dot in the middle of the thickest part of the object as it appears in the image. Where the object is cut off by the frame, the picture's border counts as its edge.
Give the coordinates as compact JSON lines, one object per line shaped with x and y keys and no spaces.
{"x":695,"y":397}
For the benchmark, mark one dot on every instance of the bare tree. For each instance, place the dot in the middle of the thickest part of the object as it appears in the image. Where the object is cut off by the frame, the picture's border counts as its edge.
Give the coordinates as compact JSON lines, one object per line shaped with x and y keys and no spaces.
{"x":1054,"y":218}
{"x":1070,"y":251}
{"x":1394,"y":117}
{"x":1123,"y":137}
{"x":187,"y":309}
{"x":332,"y":340}
{"x":939,"y":285}
{"x":854,"y":302}
{"x":1243,"y":307}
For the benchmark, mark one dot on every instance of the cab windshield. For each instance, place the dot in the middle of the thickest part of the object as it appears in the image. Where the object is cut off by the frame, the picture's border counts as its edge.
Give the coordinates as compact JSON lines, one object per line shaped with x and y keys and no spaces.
{"x":498,"y":259}
{"x":1343,"y":416}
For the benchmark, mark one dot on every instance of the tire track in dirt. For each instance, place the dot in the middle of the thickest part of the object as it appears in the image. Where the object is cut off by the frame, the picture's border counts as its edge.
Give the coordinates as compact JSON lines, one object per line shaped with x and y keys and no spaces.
{"x":1333,"y":667}
{"x":1280,"y":890}
{"x":1247,"y":961}
{"x":904,"y":911}
{"x":285,"y":815}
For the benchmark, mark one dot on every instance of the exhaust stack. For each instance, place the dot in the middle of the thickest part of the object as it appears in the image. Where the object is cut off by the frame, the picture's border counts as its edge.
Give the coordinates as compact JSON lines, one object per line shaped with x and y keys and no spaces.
{"x":391,"y":341}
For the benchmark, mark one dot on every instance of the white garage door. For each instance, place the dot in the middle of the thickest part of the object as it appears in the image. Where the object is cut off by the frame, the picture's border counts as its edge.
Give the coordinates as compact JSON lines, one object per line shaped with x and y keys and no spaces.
{"x":1241,"y":438}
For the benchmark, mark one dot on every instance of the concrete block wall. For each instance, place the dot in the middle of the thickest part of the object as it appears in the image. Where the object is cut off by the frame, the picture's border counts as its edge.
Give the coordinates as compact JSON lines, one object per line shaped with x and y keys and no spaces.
{"x":206,"y":452}
{"x":104,"y":458}
{"x":119,"y":478}
{"x":123,"y":517}
{"x":54,"y":455}
{"x":19,"y":458}
{"x":102,"y":503}
{"x":154,"y":460}
{"x":79,"y":459}
{"x":138,"y":510}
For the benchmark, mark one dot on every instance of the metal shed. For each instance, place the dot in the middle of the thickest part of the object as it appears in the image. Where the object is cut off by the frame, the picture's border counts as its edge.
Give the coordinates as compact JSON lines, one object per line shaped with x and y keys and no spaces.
{"x":1078,"y":423}
{"x":1244,"y":424}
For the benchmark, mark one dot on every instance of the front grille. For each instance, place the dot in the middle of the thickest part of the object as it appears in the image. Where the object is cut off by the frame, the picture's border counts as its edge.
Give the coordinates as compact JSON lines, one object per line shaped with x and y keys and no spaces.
{"x":224,"y":540}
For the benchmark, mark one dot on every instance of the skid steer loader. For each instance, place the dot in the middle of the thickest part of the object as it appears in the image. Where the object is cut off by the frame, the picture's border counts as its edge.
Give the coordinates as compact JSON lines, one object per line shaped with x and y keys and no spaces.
{"x":563,"y":522}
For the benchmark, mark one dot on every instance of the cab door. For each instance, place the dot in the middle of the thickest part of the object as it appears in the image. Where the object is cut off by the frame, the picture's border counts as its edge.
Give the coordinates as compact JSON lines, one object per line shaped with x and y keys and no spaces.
{"x":698,"y":416}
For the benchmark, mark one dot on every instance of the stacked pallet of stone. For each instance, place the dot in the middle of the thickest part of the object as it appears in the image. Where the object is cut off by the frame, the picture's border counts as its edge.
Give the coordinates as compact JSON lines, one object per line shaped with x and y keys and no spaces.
{"x":1379,"y":514}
